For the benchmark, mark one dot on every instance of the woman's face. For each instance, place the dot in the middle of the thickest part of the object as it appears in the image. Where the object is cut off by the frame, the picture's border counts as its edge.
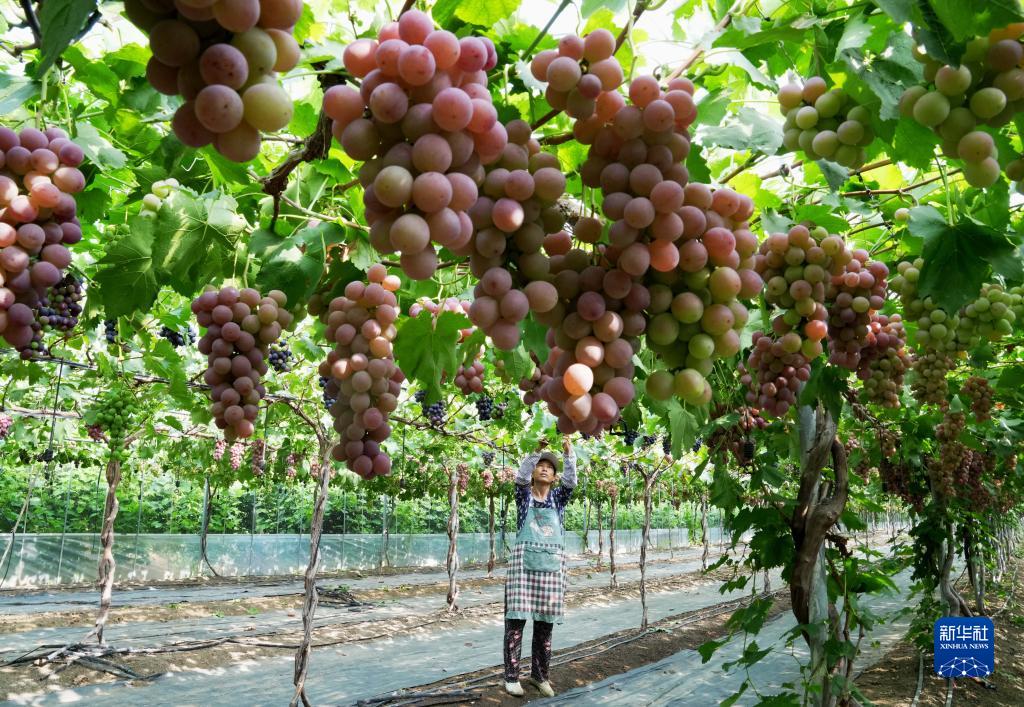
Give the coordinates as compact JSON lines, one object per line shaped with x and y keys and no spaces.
{"x":544,"y":472}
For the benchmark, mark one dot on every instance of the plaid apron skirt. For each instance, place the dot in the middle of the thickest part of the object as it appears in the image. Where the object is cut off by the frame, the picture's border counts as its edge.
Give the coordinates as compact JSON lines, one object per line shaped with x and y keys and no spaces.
{"x":536,"y":595}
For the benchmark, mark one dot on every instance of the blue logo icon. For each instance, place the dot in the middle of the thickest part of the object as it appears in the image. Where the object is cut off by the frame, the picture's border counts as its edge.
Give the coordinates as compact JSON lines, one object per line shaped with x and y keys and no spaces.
{"x":964,"y":647}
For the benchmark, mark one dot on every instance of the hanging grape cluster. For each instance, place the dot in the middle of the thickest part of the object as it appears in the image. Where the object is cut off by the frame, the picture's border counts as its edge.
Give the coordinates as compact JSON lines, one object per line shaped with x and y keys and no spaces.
{"x":259,"y":457}
{"x":944,"y":467}
{"x":853,"y":296}
{"x":513,"y":219}
{"x":290,"y":465}
{"x":773,"y":374}
{"x":985,"y":89}
{"x":219,"y":447}
{"x":824,"y":123}
{"x":429,"y":129}
{"x":59,"y":308}
{"x":236,"y":454}
{"x":222,"y":58}
{"x":470,"y":379}
{"x":936,"y":328}
{"x":736,"y":439}
{"x":796,"y":267}
{"x":988,"y":318}
{"x":978,"y":391}
{"x":5,"y":425}
{"x":158,"y":191}
{"x":884,"y":361}
{"x":37,"y":224}
{"x":176,"y":338}
{"x":116,"y":413}
{"x":280,"y":357}
{"x":362,"y":375}
{"x":240,"y":326}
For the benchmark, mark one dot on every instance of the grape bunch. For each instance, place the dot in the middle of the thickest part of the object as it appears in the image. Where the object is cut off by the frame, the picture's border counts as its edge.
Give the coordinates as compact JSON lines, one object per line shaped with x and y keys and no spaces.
{"x":884,"y":361}
{"x":796,"y":267}
{"x":470,"y":379}
{"x":853,"y":297}
{"x":484,"y":408}
{"x":629,"y":435}
{"x":736,"y":439}
{"x":259,"y":457}
{"x":59,"y":308}
{"x":666,"y":445}
{"x":423,"y":125}
{"x":280,"y":357}
{"x":95,"y":433}
{"x":488,"y":457}
{"x":824,"y":124}
{"x":110,"y":330}
{"x":236,"y":453}
{"x":462,"y":469}
{"x":176,"y":338}
{"x":39,"y":177}
{"x":581,"y":76}
{"x":936,"y":328}
{"x":222,"y":58}
{"x":219,"y":447}
{"x":5,"y":425}
{"x":988,"y":318}
{"x":514,"y":219}
{"x":361,"y":371}
{"x":240,"y":326}
{"x":978,"y":391}
{"x":328,"y":397}
{"x":647,"y":440}
{"x":158,"y":191}
{"x":487,"y":479}
{"x":289,"y":465}
{"x":929,"y":384}
{"x":773,"y":373}
{"x":434,"y":412}
{"x":531,"y":384}
{"x":115,"y":412}
{"x":944,"y":467}
{"x":985,"y":89}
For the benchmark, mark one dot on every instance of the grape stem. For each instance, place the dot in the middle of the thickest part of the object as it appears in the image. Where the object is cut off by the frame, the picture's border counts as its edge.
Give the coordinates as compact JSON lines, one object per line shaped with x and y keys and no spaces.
{"x":406,"y":7}
{"x":543,"y":33}
{"x":699,"y":51}
{"x":33,"y":21}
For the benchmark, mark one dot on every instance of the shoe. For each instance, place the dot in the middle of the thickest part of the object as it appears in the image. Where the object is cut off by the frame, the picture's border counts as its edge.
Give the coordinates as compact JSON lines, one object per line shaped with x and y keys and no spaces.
{"x":515,"y":689}
{"x":544,"y":686}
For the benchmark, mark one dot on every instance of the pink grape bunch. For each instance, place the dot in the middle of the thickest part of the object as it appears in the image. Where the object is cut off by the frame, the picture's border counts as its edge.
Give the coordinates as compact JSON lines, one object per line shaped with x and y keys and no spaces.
{"x":240,"y":328}
{"x":470,"y":379}
{"x":487,"y":478}
{"x":362,"y":375}
{"x":516,"y":216}
{"x":236,"y":454}
{"x":259,"y":457}
{"x":582,"y":75}
{"x":290,"y":465}
{"x":462,"y":469}
{"x":795,"y":267}
{"x":39,"y":175}
{"x":423,"y":124}
{"x":853,"y":297}
{"x":219,"y":447}
{"x":884,"y":361}
{"x":222,"y":57}
{"x":773,"y":374}
{"x":5,"y":425}
{"x":824,"y":123}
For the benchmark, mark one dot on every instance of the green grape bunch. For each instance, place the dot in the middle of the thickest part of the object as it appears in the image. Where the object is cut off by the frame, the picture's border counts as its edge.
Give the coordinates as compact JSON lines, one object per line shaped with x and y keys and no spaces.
{"x":936,"y":328}
{"x":990,"y":317}
{"x":116,"y":412}
{"x":825,"y":123}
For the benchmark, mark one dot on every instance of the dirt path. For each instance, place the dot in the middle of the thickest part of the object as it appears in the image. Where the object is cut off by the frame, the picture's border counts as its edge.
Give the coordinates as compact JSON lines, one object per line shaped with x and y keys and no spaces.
{"x":892,"y":682}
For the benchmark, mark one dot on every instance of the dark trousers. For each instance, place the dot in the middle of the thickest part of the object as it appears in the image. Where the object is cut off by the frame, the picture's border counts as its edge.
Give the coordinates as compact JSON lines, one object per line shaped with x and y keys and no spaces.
{"x":540,"y":658}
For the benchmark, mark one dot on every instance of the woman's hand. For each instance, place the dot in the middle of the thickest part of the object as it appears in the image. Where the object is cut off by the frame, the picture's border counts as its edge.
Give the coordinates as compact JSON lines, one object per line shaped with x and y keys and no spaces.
{"x":566,"y":444}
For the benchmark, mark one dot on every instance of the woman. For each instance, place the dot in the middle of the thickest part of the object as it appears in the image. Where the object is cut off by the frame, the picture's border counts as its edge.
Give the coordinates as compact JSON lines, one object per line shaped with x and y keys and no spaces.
{"x":535,"y":585}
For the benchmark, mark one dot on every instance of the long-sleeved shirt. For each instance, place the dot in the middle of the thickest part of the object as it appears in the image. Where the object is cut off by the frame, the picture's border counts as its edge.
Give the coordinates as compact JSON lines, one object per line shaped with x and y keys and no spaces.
{"x":558,"y":497}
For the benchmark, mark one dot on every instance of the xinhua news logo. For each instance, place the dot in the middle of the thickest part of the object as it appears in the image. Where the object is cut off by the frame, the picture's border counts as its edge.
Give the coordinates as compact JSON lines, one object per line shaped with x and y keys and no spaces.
{"x":964,"y":648}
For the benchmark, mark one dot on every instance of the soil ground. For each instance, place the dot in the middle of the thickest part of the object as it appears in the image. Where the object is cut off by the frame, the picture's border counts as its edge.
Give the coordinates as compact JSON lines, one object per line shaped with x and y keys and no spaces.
{"x":893,"y":680}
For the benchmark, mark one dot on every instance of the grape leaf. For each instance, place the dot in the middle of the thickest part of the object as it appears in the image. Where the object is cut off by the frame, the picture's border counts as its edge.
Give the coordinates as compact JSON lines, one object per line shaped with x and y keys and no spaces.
{"x":827,"y":385}
{"x":126,"y":277}
{"x":60,"y":21}
{"x":966,"y":19}
{"x":749,"y":130}
{"x":197,"y":238}
{"x":14,"y":91}
{"x":957,"y":258}
{"x":424,"y":350}
{"x":914,"y":143}
{"x":484,"y":13}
